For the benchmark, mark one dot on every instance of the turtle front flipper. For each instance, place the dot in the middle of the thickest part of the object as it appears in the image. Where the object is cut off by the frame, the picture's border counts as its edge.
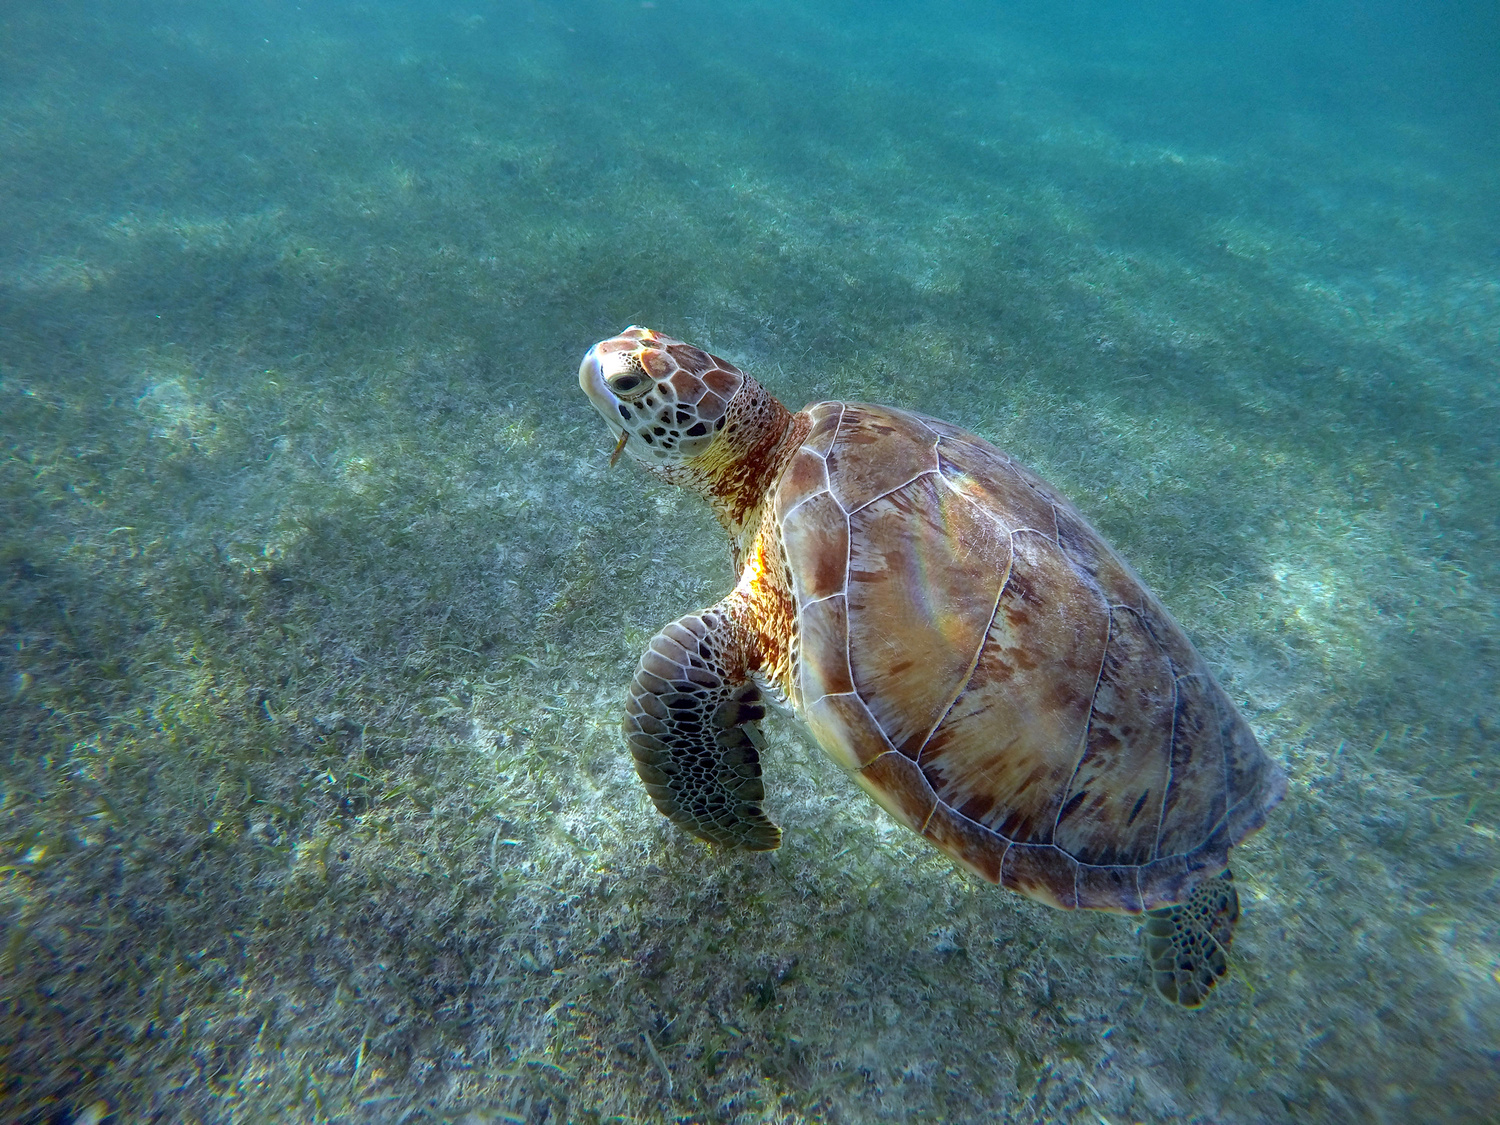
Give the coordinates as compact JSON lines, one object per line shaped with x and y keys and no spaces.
{"x":691,"y":727}
{"x":1187,"y":945}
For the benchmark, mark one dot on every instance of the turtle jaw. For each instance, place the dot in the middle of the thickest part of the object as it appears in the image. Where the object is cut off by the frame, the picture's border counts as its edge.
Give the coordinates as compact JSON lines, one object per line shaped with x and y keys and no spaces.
{"x":591,"y":379}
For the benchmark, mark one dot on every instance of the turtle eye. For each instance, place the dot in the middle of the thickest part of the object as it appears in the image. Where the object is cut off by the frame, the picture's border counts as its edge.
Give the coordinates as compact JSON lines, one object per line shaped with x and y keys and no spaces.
{"x":627,"y":382}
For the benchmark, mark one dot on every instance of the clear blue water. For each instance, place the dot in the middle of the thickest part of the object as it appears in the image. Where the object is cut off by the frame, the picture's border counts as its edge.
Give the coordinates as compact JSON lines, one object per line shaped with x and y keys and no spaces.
{"x":318,"y":603}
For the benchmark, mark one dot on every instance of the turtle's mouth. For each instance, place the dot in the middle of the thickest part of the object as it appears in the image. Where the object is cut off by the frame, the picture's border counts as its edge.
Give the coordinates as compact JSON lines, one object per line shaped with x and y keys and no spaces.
{"x":591,"y":379}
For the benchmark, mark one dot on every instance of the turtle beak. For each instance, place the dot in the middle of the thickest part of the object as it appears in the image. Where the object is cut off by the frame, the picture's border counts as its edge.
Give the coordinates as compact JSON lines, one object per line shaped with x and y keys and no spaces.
{"x":591,"y":379}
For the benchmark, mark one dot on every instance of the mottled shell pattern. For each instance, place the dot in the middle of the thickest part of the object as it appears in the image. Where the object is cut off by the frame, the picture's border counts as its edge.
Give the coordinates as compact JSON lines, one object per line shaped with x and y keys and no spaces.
{"x":996,"y":677}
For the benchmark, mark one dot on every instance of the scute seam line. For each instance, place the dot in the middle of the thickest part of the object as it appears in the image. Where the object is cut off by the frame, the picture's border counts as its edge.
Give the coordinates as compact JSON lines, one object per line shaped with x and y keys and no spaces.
{"x":890,"y":491}
{"x":1088,"y":723}
{"x":968,"y":675}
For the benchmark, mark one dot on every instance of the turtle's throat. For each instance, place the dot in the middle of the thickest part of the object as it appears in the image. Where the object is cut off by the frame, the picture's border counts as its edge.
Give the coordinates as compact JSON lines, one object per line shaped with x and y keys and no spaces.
{"x":737,"y":479}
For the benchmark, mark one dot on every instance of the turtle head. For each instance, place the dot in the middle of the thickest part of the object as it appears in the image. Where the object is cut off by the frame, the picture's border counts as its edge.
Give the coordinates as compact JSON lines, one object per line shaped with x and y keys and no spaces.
{"x":665,"y":401}
{"x":691,"y":418}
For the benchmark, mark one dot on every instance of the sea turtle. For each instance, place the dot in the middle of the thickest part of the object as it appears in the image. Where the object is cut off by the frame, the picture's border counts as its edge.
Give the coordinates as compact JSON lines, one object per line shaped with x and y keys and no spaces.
{"x":955,"y":635}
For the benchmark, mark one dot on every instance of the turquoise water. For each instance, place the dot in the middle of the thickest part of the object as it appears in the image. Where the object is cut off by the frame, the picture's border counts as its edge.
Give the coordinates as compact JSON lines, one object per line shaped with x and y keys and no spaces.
{"x":318,"y":600}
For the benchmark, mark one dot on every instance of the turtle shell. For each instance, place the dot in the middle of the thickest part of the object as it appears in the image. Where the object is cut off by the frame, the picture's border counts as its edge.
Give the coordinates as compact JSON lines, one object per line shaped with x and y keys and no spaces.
{"x":996,"y":677}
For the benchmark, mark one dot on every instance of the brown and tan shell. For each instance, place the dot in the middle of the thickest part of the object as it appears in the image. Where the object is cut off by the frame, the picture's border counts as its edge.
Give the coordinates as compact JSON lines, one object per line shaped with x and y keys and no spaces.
{"x":996,"y":677}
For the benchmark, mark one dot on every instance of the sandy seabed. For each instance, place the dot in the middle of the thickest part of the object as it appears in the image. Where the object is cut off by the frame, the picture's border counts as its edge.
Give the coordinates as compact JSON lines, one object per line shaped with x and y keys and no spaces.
{"x":317,"y":601}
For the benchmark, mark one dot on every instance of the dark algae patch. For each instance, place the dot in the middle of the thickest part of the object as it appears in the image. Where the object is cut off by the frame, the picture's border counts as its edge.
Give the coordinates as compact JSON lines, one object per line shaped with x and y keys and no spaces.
{"x":318,"y":602}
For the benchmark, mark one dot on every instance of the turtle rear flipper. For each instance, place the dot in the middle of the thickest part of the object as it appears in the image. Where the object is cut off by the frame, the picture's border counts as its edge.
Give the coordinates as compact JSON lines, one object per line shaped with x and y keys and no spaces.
{"x":691,"y":724}
{"x":1187,"y":945}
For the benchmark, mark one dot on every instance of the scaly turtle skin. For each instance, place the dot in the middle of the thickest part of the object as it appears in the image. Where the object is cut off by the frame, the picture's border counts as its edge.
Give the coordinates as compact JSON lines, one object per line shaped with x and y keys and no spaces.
{"x":955,"y":635}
